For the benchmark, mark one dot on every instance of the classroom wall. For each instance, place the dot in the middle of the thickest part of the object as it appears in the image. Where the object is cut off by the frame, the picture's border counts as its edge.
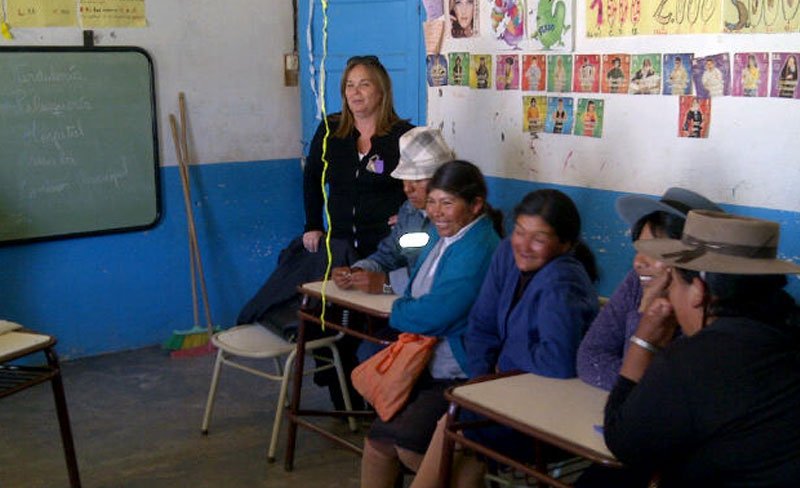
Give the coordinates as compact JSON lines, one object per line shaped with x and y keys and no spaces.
{"x":128,"y":290}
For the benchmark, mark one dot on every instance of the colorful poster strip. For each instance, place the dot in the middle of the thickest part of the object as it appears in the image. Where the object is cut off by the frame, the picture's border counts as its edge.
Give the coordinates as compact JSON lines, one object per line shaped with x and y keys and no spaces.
{"x":614,"y":18}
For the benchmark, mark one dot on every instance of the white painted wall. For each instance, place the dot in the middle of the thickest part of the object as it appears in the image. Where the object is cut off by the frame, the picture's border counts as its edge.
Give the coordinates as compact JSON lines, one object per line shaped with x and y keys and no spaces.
{"x":750,"y":157}
{"x":228,"y":59}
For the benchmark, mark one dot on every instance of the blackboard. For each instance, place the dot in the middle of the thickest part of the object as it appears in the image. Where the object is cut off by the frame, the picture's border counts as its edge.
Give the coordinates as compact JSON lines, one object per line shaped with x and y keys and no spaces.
{"x":78,"y":142}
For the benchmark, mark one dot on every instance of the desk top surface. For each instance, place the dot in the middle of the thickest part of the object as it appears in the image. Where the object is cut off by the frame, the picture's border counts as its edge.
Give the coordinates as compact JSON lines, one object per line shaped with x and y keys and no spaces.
{"x":15,"y":344}
{"x":566,"y":410}
{"x":379,"y":305}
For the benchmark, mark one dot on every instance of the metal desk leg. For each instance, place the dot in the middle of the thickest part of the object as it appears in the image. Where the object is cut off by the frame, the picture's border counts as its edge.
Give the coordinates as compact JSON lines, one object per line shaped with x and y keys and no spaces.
{"x":448,"y":447}
{"x":297,"y":385}
{"x":63,"y":419}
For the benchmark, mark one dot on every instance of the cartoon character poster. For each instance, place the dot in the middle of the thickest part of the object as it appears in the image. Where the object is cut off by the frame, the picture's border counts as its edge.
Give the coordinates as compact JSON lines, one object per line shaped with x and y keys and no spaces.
{"x":459,"y":69}
{"x":508,"y":20}
{"x":712,"y":76}
{"x":534,"y":109}
{"x":436,"y":69}
{"x":616,"y":73}
{"x":551,"y":24}
{"x":677,"y":74}
{"x":586,"y":73}
{"x":559,"y":115}
{"x":784,"y":75}
{"x":462,"y":18}
{"x":694,"y":117}
{"x":559,"y":72}
{"x":534,"y":68}
{"x":589,"y":117}
{"x":480,"y":72}
{"x":645,"y":74}
{"x":507,"y":74}
{"x":750,"y":73}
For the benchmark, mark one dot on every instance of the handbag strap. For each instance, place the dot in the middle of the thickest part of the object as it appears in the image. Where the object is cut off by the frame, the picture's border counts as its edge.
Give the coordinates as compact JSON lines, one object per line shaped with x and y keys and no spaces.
{"x":397,"y":347}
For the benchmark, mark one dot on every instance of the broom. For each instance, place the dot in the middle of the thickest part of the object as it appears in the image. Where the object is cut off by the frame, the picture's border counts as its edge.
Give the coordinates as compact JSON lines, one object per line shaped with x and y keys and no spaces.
{"x":194,"y":341}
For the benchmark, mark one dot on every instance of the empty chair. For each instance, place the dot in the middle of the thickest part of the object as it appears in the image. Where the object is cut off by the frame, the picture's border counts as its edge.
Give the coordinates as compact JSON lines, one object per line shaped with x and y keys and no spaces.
{"x":255,"y":341}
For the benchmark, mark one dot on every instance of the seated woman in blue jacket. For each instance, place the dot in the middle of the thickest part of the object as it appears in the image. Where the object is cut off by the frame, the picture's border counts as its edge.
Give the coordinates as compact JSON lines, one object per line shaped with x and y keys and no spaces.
{"x":535,"y":304}
{"x":443,"y":287}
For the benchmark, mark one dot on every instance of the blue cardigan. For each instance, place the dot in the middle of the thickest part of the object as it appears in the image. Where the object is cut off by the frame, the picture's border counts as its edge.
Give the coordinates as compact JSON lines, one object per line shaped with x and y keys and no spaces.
{"x":541,"y":334}
{"x":443,"y":311}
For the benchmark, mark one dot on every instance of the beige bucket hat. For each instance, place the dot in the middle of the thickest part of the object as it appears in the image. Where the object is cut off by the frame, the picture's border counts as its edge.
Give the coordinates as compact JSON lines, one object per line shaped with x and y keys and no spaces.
{"x":722,"y":243}
{"x":422,"y":151}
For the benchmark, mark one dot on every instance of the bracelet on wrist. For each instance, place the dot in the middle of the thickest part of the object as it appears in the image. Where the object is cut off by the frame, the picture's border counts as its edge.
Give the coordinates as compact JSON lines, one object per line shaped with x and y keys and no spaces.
{"x":646,"y":345}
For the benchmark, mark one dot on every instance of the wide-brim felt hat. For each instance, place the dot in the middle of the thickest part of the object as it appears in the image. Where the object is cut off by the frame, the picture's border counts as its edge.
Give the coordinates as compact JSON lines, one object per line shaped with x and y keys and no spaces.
{"x":422,"y":151}
{"x":718,"y":242}
{"x":675,"y":201}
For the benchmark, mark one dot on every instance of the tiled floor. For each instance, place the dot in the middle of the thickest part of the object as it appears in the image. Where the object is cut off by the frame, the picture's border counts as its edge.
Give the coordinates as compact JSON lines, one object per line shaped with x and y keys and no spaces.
{"x":136,"y":420}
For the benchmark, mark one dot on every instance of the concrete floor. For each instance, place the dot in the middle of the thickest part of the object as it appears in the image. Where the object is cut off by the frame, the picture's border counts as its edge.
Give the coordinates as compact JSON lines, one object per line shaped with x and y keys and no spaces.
{"x":136,"y":420}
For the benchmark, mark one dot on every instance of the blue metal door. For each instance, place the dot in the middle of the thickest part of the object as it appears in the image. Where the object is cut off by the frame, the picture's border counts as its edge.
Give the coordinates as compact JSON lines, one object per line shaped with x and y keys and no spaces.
{"x":389,"y":29}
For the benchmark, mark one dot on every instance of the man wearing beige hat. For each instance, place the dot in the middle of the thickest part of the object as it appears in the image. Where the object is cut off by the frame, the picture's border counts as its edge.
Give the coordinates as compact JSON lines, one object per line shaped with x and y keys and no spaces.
{"x":422,"y":151}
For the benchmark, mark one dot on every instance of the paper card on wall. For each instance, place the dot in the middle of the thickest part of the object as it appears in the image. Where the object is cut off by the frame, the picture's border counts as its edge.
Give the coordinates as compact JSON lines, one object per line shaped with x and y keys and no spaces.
{"x":42,"y":13}
{"x":462,"y":18}
{"x":433,"y":8}
{"x":612,"y":18}
{"x":459,"y":69}
{"x":589,"y":117}
{"x":433,"y":31}
{"x":694,"y":117}
{"x":645,"y":74}
{"x":616,"y":72}
{"x":559,"y":72}
{"x":551,"y":24}
{"x":559,"y":115}
{"x":534,"y":68}
{"x":712,"y":75}
{"x":508,"y":21}
{"x":750,"y":74}
{"x":784,"y":75}
{"x":586,"y":73}
{"x":112,"y":13}
{"x":507,"y":74}
{"x":749,"y":17}
{"x":480,"y":72}
{"x":436,"y":69}
{"x":534,"y":109}
{"x":677,"y":80}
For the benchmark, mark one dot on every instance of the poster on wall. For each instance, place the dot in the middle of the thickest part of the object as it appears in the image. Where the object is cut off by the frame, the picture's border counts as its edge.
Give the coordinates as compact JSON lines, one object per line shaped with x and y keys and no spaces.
{"x":42,"y":13}
{"x":677,"y":80}
{"x":750,"y":73}
{"x":459,"y":69}
{"x":784,"y":75}
{"x":534,"y":109}
{"x":462,"y":18}
{"x":112,"y":13}
{"x":712,"y":75}
{"x":559,"y":115}
{"x":534,"y":67}
{"x":550,"y":24}
{"x":480,"y":73}
{"x":436,"y":69}
{"x":559,"y":72}
{"x":615,"y":18}
{"x":586,"y":73}
{"x":646,"y":74}
{"x":589,"y":117}
{"x":508,"y":21}
{"x":694,"y":117}
{"x":507,"y":74}
{"x":766,"y":17}
{"x":616,"y":73}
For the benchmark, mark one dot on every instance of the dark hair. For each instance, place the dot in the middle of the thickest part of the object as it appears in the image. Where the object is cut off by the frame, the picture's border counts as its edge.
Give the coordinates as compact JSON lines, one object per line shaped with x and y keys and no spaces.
{"x":758,"y":297}
{"x":387,"y":116}
{"x":662,"y":225}
{"x":465,"y":180}
{"x":560,"y":213}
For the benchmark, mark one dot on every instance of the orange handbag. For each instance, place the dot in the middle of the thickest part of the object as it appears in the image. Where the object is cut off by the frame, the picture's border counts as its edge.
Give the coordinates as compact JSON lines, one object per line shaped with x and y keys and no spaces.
{"x":385,"y":380}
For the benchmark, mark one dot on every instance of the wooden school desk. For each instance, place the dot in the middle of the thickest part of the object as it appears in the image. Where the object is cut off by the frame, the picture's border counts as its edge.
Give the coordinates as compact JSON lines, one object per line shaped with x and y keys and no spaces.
{"x":563,"y":413}
{"x":375,"y":310}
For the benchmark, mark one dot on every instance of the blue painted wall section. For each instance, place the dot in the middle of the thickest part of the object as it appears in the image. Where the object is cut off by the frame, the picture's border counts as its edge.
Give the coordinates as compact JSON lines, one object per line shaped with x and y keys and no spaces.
{"x":123,"y":291}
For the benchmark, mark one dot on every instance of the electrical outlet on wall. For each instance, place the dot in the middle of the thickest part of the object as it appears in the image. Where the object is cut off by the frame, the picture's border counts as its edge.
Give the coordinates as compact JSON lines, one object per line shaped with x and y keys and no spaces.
{"x":291,"y":69}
